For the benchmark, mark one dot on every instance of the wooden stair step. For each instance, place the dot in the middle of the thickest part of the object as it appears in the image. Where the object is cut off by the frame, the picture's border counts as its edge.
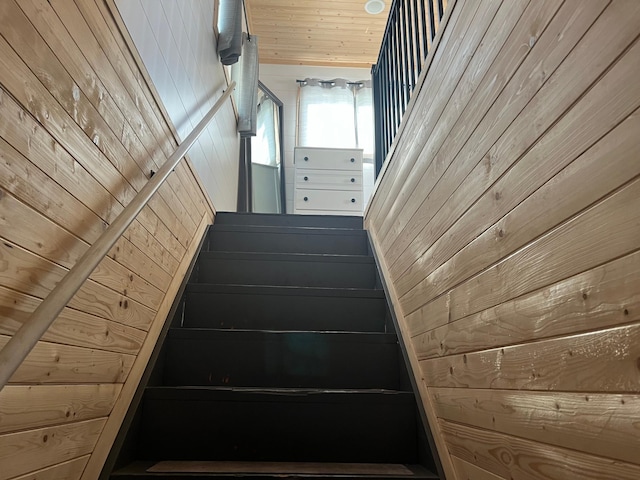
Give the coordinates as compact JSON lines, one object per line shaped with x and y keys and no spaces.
{"x":288,"y":425}
{"x":197,"y":356}
{"x":316,"y":470}
{"x":251,"y":238}
{"x":287,"y":220}
{"x":309,"y":468}
{"x":284,"y":308}
{"x":292,"y":269}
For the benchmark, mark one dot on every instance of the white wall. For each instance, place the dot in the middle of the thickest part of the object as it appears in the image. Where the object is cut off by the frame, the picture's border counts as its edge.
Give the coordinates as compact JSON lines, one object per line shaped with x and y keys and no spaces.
{"x":281,"y":80}
{"x":177,"y":44}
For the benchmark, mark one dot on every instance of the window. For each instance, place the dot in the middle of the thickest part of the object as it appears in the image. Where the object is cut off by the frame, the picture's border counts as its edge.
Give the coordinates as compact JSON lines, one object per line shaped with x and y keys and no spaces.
{"x":335,"y":114}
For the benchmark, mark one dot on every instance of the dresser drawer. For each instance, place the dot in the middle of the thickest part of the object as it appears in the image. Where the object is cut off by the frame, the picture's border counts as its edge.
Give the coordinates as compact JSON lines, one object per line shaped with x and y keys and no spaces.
{"x":328,"y":158}
{"x":307,"y":199}
{"x":329,"y":180}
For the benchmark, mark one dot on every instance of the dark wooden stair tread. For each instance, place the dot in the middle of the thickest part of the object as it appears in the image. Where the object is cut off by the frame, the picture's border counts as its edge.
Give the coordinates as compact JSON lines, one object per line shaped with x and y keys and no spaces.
{"x":282,"y":467}
{"x":249,"y":334}
{"x":277,"y":239}
{"x":201,"y":356}
{"x":277,"y":229}
{"x":288,"y":257}
{"x":284,"y":307}
{"x":275,"y":469}
{"x":285,"y":290}
{"x":288,"y":220}
{"x":297,"y":269}
{"x":339,"y":395}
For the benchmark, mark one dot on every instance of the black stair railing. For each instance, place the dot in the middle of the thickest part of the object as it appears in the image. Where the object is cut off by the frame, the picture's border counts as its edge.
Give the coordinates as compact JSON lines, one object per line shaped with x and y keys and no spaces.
{"x":410,"y":30}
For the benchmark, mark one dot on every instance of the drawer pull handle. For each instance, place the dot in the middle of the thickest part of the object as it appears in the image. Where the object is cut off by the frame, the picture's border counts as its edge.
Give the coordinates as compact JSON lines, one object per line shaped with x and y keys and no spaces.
{"x":306,"y":159}
{"x":353,"y":180}
{"x":353,"y":160}
{"x":353,"y":200}
{"x":306,"y":199}
{"x":306,"y":179}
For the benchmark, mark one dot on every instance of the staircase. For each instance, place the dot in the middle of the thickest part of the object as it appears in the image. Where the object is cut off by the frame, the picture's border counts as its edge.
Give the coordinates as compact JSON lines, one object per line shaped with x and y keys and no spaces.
{"x":281,"y":361}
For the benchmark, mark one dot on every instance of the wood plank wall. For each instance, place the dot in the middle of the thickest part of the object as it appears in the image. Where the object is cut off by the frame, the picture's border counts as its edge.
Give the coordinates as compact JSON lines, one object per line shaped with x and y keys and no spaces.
{"x":508,"y":221}
{"x":80,"y":131}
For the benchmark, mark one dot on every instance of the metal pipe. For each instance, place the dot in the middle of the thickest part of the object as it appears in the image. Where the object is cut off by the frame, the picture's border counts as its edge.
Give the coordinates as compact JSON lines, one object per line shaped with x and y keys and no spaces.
{"x":28,"y":335}
{"x":425,"y":34}
{"x":432,"y":20}
{"x":416,"y":38}
{"x":404,"y":6}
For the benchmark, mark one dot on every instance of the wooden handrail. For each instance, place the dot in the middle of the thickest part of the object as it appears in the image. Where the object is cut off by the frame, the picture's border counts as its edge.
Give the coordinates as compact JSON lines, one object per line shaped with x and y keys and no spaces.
{"x":28,"y":335}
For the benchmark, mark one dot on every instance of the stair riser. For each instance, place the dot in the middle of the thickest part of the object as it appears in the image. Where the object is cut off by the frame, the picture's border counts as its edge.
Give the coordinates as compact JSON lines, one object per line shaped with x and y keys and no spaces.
{"x":320,"y":221}
{"x":284,"y":312}
{"x":238,"y":241}
{"x":284,"y":360}
{"x":270,"y":431}
{"x":288,"y":273}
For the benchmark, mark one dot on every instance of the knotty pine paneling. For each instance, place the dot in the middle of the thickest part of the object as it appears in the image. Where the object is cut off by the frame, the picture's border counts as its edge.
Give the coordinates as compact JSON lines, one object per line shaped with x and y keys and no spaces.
{"x":514,"y":457}
{"x":80,"y":131}
{"x":33,"y":406}
{"x":604,"y":428}
{"x":469,"y":471}
{"x":601,"y":297}
{"x":335,"y":33}
{"x":304,"y":32}
{"x":71,"y":470}
{"x":537,"y":165}
{"x":72,"y":327}
{"x":31,"y":450}
{"x":508,"y":224}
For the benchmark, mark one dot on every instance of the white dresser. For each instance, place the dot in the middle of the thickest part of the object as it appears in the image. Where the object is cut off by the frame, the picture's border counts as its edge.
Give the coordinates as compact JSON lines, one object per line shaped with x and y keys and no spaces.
{"x":328,"y":181}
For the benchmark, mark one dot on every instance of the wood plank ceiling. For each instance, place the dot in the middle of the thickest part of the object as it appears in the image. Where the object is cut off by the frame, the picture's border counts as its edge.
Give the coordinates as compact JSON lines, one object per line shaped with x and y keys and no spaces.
{"x":310,"y":32}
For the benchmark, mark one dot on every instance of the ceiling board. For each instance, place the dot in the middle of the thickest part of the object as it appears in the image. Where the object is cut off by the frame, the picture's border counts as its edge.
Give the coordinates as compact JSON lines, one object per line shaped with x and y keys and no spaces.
{"x":309,"y":32}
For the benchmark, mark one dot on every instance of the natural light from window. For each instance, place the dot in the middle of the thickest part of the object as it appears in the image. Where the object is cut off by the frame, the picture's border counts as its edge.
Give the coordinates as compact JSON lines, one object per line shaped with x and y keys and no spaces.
{"x":330,"y":125}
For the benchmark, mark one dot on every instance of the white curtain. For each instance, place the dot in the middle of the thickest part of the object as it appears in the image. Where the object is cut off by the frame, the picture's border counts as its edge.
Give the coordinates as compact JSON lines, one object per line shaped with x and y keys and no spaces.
{"x":336,"y":114}
{"x":364,"y":119}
